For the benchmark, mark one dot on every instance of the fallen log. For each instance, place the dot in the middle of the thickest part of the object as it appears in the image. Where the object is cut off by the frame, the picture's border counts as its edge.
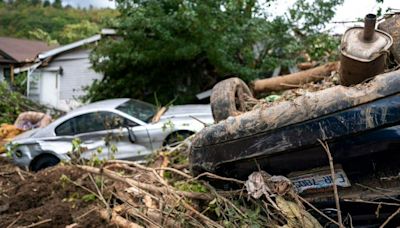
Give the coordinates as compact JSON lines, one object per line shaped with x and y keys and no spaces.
{"x":288,"y":81}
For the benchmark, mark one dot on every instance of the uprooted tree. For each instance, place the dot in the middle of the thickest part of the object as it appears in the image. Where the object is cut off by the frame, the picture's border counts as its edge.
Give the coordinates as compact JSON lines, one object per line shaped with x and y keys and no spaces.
{"x":173,"y":49}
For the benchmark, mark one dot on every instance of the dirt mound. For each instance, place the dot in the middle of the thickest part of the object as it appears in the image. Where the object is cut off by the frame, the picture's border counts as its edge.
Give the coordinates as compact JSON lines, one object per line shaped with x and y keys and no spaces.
{"x":48,"y":196}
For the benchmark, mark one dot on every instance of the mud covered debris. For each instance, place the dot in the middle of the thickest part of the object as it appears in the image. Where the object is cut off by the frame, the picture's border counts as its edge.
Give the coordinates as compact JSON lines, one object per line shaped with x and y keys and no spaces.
{"x":28,"y":198}
{"x":126,"y":194}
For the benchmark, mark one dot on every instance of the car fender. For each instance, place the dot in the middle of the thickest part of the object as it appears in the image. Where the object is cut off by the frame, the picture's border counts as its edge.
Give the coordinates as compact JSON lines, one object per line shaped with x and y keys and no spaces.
{"x":158,"y":132}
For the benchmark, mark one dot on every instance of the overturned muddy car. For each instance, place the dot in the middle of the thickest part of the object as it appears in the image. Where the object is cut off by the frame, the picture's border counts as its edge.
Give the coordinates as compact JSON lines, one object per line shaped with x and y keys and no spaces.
{"x":359,"y":125}
{"x":356,"y":121}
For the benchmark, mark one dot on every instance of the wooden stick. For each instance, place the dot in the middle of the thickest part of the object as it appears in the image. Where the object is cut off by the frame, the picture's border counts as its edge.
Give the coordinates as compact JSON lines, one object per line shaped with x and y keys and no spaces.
{"x":148,"y":187}
{"x":151,"y":213}
{"x":194,"y":195}
{"x":175,"y":171}
{"x":226,"y":200}
{"x":18,"y":170}
{"x":317,"y":210}
{"x":371,"y":202}
{"x":38,"y":223}
{"x":390,"y":218}
{"x":211,"y":175}
{"x":86,"y":213}
{"x":335,"y":190}
{"x":377,"y":191}
{"x":15,"y":221}
{"x":158,"y":115}
{"x":136,"y":214}
{"x":117,"y":219}
{"x":195,"y":118}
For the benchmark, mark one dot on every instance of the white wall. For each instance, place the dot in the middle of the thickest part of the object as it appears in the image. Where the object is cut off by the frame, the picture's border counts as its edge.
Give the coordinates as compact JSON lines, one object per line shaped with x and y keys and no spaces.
{"x":76,"y":73}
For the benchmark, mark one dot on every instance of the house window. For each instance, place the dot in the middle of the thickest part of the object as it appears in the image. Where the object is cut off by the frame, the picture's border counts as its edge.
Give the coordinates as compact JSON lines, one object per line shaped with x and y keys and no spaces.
{"x":7,"y":74}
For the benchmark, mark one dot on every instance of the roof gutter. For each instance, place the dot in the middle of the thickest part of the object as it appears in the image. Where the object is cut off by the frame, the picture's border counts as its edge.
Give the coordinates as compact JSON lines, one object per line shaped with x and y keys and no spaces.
{"x":68,"y":47}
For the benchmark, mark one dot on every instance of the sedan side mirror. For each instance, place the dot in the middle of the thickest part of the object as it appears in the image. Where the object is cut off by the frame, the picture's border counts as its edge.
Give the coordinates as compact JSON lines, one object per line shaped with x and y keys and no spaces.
{"x":131,"y":135}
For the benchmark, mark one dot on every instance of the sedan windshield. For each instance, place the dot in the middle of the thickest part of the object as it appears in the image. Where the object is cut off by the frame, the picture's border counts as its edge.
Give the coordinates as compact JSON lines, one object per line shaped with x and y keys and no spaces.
{"x":138,"y":109}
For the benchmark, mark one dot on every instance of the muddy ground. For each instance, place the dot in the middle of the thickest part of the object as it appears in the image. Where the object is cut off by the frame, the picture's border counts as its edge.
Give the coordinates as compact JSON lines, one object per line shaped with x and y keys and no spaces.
{"x":62,"y":196}
{"x":47,"y":196}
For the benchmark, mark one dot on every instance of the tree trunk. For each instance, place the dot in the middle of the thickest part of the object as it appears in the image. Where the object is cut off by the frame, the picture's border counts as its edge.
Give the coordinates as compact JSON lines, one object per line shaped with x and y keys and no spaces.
{"x":292,"y":80}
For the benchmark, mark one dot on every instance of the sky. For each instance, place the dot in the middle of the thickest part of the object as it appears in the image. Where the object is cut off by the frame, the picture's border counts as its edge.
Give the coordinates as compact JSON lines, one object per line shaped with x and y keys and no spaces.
{"x":87,"y":3}
{"x":350,"y":10}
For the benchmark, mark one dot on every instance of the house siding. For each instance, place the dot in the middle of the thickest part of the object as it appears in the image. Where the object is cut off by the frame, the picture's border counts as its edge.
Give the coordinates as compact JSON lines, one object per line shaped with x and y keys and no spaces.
{"x":75,"y":75}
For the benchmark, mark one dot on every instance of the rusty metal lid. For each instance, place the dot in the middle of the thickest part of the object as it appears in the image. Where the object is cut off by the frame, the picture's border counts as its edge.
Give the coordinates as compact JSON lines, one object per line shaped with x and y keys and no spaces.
{"x":355,"y":47}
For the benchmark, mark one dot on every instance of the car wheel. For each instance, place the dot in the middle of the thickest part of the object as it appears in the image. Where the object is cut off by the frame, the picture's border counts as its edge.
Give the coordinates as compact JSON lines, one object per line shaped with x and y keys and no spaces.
{"x":228,"y":98}
{"x":176,"y":137}
{"x":43,"y":162}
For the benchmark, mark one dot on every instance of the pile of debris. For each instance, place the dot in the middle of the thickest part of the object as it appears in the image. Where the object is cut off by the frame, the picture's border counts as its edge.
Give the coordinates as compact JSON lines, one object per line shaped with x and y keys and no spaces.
{"x":160,"y":194}
{"x":25,"y":121}
{"x":19,"y":114}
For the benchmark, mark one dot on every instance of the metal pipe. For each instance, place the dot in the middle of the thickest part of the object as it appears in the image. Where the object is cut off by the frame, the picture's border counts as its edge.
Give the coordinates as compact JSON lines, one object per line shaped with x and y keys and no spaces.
{"x":369,"y":27}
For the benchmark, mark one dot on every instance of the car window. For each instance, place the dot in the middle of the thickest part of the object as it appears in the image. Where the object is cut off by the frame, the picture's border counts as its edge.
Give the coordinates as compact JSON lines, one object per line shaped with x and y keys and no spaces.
{"x":138,"y":109}
{"x":91,"y":122}
{"x":65,"y":128}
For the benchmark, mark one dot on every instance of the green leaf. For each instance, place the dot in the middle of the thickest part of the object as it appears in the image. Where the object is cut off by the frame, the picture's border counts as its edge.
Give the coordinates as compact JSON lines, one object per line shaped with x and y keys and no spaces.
{"x":89,"y":197}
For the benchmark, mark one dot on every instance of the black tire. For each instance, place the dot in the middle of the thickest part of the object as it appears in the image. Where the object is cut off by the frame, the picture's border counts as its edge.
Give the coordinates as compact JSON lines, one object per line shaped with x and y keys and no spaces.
{"x":176,"y":137}
{"x":44,"y":161}
{"x":227,"y":98}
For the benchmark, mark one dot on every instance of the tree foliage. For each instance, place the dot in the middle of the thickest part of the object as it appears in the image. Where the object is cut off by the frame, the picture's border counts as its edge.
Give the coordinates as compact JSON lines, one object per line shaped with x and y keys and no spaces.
{"x":41,"y":20}
{"x":176,"y":48}
{"x":81,"y":30}
{"x":13,"y":103}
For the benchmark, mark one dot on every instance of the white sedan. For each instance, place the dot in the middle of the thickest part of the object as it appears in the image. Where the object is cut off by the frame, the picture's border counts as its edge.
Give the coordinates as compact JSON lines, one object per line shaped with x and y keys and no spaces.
{"x":124,"y":125}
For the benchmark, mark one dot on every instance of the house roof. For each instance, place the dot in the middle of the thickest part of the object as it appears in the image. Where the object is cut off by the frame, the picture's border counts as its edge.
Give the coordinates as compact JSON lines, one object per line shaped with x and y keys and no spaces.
{"x":79,"y":43}
{"x":68,"y":47}
{"x":21,"y":50}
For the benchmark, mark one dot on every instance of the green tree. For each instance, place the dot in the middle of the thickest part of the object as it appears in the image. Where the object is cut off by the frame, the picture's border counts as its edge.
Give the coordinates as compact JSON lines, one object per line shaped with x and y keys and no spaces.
{"x":49,"y":23}
{"x":74,"y":32}
{"x":36,"y":2}
{"x":21,"y":2}
{"x":39,"y":34}
{"x":46,"y":3}
{"x":57,"y":4}
{"x":177,"y":48}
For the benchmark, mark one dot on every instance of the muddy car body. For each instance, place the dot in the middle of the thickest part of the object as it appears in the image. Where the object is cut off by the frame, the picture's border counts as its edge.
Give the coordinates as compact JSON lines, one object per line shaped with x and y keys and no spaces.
{"x":123,"y":125}
{"x":361,"y":125}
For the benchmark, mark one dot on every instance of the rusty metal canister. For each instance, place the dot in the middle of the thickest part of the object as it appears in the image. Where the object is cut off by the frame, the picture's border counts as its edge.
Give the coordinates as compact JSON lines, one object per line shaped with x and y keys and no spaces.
{"x":391,"y":25}
{"x":363,"y":52}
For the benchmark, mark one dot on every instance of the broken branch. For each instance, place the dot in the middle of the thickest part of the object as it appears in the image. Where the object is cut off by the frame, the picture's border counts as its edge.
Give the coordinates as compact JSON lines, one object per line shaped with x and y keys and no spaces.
{"x":117,"y":219}
{"x":335,"y":190}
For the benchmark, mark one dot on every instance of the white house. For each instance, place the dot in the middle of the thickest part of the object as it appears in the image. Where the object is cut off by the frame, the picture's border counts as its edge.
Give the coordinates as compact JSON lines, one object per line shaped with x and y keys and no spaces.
{"x":58,"y":78}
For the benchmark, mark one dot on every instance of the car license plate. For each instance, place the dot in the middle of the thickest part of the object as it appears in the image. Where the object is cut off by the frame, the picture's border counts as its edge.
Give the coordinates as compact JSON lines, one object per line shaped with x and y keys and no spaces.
{"x":319,"y":180}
